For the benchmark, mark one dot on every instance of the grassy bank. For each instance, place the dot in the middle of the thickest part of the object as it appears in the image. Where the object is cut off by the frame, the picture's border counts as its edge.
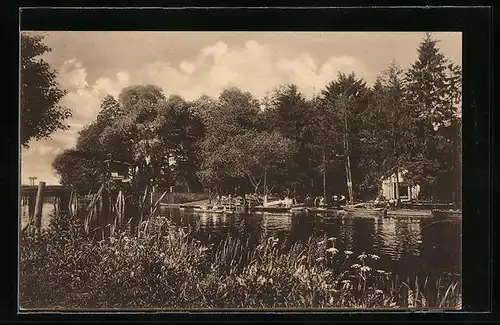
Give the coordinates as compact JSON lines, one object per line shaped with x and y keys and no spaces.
{"x":164,"y":267}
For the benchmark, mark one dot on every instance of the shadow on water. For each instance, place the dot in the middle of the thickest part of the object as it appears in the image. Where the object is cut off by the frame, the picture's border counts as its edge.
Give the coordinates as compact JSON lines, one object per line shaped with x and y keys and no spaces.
{"x":407,"y":246}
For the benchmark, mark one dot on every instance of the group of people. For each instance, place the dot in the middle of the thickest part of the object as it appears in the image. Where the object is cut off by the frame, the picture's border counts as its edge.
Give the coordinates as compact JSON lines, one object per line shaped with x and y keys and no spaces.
{"x":320,"y":202}
{"x":309,"y":201}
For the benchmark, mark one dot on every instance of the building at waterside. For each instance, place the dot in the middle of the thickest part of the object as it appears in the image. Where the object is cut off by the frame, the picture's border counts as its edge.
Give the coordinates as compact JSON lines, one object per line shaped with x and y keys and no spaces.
{"x":406,"y":191}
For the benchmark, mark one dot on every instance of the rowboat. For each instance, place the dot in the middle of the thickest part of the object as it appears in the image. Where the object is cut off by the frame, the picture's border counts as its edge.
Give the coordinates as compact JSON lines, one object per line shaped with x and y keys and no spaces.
{"x":437,"y":213}
{"x":362,"y":210}
{"x":297,"y":209}
{"x":323,"y":210}
{"x":212,"y":210}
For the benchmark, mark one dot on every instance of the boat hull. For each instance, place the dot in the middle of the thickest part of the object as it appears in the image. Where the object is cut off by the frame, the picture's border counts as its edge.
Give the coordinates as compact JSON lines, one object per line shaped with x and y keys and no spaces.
{"x":364,"y":211}
{"x":323,"y":210}
{"x":213,"y":211}
{"x":446,"y":214}
{"x":409,"y":213}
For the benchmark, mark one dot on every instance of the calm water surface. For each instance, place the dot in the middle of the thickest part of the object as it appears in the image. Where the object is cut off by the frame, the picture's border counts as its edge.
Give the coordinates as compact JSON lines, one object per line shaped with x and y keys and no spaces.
{"x":47,"y":211}
{"x":406,"y":246}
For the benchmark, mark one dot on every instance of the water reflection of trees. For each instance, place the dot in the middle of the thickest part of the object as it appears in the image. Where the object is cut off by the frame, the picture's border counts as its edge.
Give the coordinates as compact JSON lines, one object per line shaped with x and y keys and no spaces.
{"x":399,"y":237}
{"x":347,"y":233}
{"x":442,"y":245}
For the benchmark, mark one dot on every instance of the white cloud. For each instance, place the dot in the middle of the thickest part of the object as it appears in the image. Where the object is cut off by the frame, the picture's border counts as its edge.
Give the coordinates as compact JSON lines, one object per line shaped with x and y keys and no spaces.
{"x":72,"y":76}
{"x":187,"y":67}
{"x":254,"y":67}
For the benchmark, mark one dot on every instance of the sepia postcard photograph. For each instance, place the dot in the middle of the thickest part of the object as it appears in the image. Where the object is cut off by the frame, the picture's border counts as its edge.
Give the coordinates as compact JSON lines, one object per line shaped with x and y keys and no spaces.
{"x":176,"y":170}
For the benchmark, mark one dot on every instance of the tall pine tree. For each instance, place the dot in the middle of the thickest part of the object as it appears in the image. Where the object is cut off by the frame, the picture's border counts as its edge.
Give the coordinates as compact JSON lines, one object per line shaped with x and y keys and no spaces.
{"x":434,"y":90}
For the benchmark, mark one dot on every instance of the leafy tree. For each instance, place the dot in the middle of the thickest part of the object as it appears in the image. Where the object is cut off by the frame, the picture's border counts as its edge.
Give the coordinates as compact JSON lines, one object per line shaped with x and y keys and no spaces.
{"x":83,"y":167}
{"x":181,"y":133}
{"x":325,"y":129}
{"x":347,"y":98}
{"x":287,"y":111}
{"x":40,"y":93}
{"x":251,"y":155}
{"x":234,"y":113}
{"x":388,"y":136}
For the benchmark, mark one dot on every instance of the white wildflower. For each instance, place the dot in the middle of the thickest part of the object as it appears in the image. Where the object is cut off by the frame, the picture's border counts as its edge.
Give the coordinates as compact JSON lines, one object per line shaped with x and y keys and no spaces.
{"x":332,"y":250}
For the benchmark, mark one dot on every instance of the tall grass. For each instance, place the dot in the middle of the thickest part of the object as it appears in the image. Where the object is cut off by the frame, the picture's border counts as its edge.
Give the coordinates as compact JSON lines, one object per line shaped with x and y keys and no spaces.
{"x":166,"y":267}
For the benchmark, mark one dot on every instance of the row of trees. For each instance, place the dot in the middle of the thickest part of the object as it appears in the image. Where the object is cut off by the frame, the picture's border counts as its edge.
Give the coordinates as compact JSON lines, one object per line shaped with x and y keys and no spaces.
{"x":349,"y":133}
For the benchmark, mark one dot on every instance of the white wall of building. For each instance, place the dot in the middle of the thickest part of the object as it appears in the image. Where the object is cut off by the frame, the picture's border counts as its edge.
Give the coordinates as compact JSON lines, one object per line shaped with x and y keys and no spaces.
{"x":389,"y":186}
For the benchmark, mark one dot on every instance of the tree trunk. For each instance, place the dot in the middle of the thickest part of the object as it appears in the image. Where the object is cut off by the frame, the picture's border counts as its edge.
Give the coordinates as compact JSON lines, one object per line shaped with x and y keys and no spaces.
{"x":348,"y":161}
{"x":349,"y":179}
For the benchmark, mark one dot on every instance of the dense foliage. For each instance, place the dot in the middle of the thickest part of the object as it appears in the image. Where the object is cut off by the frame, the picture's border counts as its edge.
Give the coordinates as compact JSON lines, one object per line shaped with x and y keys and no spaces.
{"x":40,"y":93}
{"x":407,"y":121}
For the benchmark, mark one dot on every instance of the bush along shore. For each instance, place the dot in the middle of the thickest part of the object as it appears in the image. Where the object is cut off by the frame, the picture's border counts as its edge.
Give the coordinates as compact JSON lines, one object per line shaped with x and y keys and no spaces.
{"x":163,"y":267}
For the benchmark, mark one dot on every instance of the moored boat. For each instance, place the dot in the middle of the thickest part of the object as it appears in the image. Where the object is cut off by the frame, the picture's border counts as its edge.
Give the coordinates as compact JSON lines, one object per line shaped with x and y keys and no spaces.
{"x":323,"y":210}
{"x":298,"y":209}
{"x":409,"y":213}
{"x":218,"y":210}
{"x":438,"y":213}
{"x":364,"y":210}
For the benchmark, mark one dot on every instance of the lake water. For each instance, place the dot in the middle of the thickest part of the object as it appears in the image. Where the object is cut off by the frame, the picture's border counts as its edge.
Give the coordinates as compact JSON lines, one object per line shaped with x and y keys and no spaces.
{"x":47,"y":210}
{"x":406,"y":246}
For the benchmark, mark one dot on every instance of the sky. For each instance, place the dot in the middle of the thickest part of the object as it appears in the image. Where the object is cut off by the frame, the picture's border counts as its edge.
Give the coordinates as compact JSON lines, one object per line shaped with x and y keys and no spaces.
{"x":92,"y":65}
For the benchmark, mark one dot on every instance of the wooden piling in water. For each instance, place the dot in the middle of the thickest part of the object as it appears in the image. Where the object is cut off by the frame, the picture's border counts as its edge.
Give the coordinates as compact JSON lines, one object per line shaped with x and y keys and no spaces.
{"x":31,"y":208}
{"x":39,"y":206}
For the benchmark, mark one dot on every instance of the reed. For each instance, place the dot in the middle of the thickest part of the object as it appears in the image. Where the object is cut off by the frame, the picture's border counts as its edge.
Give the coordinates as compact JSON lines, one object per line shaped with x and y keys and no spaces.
{"x":167,"y":267}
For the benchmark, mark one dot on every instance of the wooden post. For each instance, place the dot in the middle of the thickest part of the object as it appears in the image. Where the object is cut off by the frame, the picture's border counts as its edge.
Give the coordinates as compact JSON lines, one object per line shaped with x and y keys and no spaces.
{"x":39,"y":205}
{"x":397,"y":187}
{"x":31,"y":208}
